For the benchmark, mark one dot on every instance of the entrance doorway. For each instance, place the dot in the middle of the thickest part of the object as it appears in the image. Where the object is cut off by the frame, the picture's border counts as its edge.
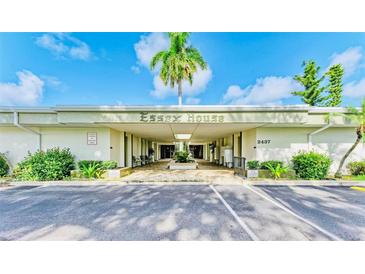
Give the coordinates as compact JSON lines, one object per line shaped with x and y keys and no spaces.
{"x":196,"y":151}
{"x":167,"y":151}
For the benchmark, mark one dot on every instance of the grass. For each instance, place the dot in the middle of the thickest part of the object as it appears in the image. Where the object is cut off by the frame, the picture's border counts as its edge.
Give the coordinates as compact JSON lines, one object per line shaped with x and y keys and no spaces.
{"x":355,"y":178}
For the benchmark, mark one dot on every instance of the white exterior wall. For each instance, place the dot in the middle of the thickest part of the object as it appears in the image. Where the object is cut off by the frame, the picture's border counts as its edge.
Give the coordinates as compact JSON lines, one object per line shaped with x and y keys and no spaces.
{"x":76,"y":140}
{"x":288,"y":141}
{"x":248,"y":144}
{"x":16,"y":143}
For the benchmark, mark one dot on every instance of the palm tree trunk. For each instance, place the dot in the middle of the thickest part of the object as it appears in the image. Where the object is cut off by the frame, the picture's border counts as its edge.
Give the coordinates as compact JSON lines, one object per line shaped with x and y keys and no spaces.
{"x":359,"y":133}
{"x":179,"y":92}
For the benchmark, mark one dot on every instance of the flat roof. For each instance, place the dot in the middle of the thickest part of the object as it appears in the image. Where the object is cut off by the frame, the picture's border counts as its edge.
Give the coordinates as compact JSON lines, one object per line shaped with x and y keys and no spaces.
{"x":177,"y":108}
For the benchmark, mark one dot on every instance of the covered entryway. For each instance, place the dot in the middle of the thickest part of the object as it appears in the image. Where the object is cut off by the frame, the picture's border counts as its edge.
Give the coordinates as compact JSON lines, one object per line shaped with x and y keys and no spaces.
{"x":167,"y":151}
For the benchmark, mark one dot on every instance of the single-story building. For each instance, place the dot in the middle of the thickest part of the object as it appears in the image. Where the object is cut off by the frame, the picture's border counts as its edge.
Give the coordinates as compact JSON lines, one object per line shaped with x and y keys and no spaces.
{"x":127,"y":133}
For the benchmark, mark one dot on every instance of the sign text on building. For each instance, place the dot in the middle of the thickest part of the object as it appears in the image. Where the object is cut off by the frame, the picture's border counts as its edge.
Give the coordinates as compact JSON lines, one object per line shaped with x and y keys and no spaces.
{"x":148,"y":117}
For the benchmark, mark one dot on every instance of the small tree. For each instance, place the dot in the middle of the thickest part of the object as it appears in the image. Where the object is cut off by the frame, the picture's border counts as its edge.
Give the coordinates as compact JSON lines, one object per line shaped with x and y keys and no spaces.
{"x":335,"y":86}
{"x":358,"y":116}
{"x":312,"y":93}
{"x":316,"y":94}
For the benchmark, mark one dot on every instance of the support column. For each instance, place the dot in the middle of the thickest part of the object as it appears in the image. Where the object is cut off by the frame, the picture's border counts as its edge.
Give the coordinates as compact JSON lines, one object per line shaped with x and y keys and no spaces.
{"x":121,"y":149}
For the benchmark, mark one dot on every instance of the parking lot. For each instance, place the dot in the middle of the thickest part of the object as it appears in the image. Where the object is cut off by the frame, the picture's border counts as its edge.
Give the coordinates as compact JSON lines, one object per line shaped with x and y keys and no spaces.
{"x":182,"y":212}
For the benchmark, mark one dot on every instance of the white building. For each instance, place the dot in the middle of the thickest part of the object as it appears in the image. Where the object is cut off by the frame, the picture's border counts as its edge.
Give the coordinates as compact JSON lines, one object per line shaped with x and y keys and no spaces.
{"x":121,"y":132}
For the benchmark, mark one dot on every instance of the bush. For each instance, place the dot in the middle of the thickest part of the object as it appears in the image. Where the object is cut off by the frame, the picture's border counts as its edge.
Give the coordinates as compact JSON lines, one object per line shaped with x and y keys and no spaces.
{"x":273,"y":163}
{"x":104,"y":165}
{"x":311,"y":165}
{"x":253,"y":164}
{"x":183,"y":157}
{"x":357,"y":168}
{"x":91,"y":169}
{"x":277,"y":171}
{"x":4,"y":166}
{"x":53,"y":164}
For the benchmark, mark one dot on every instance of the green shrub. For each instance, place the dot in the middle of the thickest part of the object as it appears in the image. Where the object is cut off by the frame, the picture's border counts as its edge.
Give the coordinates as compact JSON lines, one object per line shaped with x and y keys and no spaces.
{"x":4,"y":166}
{"x":277,"y":171}
{"x":311,"y":165}
{"x":109,"y":165}
{"x":183,"y":157}
{"x":104,"y":165}
{"x":53,"y":164}
{"x":272,"y":163}
{"x":357,"y":168}
{"x":91,"y":169}
{"x":253,"y":164}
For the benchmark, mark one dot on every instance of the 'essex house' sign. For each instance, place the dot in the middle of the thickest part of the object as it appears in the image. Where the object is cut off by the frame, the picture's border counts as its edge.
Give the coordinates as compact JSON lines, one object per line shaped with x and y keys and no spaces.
{"x":147,"y":117}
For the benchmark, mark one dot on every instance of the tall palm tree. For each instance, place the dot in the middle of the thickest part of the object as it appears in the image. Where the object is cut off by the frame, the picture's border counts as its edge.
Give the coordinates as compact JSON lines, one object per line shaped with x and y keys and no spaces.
{"x":179,"y":62}
{"x":358,"y":116}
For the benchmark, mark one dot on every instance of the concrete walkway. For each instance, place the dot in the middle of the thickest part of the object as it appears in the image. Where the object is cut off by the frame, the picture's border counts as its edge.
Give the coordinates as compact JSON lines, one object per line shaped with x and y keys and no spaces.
{"x":206,"y":173}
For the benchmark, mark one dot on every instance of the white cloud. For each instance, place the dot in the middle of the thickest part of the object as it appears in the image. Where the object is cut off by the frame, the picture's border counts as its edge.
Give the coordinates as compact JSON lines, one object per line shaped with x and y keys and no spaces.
{"x":65,"y":45}
{"x":28,"y":91}
{"x":135,"y":69}
{"x":350,"y":59}
{"x":268,"y":90}
{"x":192,"y":101}
{"x":53,"y":82}
{"x":149,"y":45}
{"x":355,"y":89}
{"x":200,"y":82}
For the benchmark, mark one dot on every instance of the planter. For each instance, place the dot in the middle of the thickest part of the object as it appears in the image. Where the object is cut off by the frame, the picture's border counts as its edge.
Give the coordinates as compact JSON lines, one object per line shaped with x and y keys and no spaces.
{"x":107,"y":174}
{"x":117,"y":173}
{"x":182,"y":166}
{"x":264,"y":173}
{"x":252,"y":173}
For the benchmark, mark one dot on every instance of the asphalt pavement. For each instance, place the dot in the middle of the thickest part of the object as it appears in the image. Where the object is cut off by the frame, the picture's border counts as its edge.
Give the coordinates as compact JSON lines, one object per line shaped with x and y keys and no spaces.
{"x":181,"y":212}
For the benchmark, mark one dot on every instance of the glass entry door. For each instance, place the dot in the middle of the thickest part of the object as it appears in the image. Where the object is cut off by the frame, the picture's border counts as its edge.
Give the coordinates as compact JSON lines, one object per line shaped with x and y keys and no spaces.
{"x":167,"y":151}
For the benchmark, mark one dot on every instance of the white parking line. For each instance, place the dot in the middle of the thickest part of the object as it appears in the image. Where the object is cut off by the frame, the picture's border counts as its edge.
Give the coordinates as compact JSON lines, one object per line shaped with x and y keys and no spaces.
{"x":234,"y":214}
{"x":327,"y":233}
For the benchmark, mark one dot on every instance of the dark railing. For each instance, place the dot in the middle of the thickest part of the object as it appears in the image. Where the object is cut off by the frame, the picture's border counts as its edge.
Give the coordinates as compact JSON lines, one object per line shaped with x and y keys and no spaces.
{"x":239,"y":164}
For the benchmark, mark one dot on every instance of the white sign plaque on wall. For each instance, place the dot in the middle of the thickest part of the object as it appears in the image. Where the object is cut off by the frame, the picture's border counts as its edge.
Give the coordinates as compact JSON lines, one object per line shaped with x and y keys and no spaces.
{"x":92,"y":138}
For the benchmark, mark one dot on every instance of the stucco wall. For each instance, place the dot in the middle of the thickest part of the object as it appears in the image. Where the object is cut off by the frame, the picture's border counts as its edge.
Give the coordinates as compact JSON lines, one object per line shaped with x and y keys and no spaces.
{"x":16,"y":143}
{"x":248,"y":144}
{"x":76,"y":140}
{"x":287,"y":141}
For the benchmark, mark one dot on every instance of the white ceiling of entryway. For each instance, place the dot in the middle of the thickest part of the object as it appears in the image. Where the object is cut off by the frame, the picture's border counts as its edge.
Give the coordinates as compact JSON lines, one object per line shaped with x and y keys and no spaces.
{"x":166,"y":132}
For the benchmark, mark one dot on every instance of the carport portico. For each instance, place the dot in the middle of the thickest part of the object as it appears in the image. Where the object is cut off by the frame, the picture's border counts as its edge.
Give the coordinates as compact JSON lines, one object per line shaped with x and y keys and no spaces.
{"x":129,"y":133}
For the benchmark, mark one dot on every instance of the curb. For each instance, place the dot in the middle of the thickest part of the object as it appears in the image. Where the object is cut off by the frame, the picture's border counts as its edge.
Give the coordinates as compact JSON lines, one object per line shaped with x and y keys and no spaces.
{"x":306,"y":183}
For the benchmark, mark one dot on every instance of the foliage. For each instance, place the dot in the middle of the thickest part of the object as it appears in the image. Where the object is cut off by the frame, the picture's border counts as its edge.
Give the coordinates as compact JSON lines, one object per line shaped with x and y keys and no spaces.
{"x":104,"y":165}
{"x":357,"y":168}
{"x":179,"y":62}
{"x":91,"y":169}
{"x":52,"y":164}
{"x":183,"y":157}
{"x":358,"y":117}
{"x":312,"y":93}
{"x":109,"y":165}
{"x":4,"y":165}
{"x":335,"y":87}
{"x":253,"y":164}
{"x":95,"y":168}
{"x":273,"y":163}
{"x":311,"y":165}
{"x":316,"y":94}
{"x":277,"y":170}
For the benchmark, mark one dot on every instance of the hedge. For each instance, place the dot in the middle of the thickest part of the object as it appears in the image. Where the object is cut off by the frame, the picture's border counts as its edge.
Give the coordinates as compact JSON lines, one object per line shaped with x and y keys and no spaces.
{"x":4,"y":166}
{"x":52,"y":164}
{"x":357,"y":168}
{"x":311,"y":165}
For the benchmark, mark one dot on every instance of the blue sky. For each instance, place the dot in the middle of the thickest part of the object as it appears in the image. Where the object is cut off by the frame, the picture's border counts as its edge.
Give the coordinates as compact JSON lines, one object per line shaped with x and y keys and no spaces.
{"x":46,"y":69}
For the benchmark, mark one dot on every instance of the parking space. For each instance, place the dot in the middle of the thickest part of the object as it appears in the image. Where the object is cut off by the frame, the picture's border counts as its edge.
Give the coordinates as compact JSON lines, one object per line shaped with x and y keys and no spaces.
{"x":181,"y":212}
